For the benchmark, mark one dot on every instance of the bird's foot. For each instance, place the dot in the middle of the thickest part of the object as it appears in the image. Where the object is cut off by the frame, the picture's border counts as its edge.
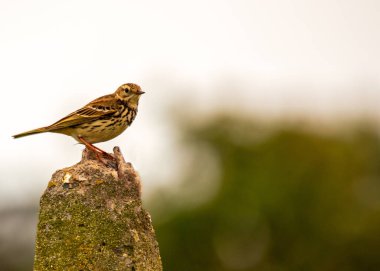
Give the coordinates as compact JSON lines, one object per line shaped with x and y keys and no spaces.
{"x":102,"y":156}
{"x":106,"y":159}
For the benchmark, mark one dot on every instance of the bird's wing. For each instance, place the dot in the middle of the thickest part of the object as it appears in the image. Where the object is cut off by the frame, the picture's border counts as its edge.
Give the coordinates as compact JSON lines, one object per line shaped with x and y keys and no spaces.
{"x":102,"y":106}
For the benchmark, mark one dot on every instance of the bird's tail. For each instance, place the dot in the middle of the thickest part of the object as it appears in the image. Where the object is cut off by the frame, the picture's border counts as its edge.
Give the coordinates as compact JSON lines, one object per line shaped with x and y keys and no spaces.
{"x":32,"y":132}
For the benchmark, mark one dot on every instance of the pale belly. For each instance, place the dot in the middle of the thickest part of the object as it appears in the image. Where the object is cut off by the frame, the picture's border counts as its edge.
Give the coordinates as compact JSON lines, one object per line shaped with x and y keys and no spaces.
{"x":101,"y":135}
{"x":100,"y":130}
{"x":96,"y":132}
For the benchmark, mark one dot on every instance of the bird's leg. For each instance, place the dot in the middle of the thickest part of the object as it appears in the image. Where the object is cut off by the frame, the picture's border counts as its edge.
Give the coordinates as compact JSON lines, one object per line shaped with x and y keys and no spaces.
{"x":97,"y":151}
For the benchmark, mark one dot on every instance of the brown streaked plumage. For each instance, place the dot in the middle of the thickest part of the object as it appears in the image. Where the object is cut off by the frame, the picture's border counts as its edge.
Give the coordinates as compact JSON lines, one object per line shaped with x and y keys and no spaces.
{"x":100,"y":120}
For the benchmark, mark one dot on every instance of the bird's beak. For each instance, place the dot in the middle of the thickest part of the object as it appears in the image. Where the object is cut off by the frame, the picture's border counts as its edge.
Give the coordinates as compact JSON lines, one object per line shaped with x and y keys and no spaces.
{"x":140,"y":92}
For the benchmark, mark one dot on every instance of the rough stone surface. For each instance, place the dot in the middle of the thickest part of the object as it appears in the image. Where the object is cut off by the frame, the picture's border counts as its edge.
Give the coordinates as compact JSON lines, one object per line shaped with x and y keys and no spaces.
{"x":91,"y":218}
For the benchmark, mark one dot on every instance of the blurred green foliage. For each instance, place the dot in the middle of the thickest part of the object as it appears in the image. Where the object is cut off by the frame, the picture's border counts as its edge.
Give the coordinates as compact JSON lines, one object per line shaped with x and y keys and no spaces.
{"x":287,"y":198}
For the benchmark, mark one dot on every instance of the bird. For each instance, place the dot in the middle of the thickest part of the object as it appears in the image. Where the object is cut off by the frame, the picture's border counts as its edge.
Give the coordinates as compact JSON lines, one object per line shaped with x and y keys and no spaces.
{"x":100,"y":120}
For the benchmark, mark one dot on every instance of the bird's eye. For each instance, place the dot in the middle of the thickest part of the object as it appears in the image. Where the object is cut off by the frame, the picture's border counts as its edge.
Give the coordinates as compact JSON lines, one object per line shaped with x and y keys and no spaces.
{"x":126,"y":90}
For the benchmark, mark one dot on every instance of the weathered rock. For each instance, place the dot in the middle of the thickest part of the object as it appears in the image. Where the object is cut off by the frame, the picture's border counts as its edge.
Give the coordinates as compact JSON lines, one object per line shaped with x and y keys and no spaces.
{"x":91,"y":218}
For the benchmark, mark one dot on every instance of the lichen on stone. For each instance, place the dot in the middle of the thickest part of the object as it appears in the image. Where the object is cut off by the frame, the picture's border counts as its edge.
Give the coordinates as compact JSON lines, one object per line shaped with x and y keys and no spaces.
{"x":93,"y":219}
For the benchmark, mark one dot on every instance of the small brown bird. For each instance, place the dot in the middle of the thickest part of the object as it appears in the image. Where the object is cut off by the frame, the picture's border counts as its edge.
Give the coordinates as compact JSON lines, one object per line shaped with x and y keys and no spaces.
{"x":100,"y":120}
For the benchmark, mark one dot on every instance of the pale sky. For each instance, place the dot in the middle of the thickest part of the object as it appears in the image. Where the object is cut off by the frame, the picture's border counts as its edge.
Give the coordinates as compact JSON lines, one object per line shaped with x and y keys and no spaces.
{"x":269,"y":57}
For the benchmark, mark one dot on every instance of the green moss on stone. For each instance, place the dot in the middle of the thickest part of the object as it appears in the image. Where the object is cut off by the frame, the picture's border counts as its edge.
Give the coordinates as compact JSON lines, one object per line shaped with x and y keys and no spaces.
{"x":94,"y":221}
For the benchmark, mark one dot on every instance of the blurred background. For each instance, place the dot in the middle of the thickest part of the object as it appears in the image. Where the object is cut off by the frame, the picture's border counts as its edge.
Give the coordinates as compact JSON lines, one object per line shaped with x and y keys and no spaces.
{"x":257,"y":139}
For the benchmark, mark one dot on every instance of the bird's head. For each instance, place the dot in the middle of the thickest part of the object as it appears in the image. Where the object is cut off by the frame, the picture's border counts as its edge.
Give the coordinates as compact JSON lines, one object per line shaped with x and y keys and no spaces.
{"x":129,"y":93}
